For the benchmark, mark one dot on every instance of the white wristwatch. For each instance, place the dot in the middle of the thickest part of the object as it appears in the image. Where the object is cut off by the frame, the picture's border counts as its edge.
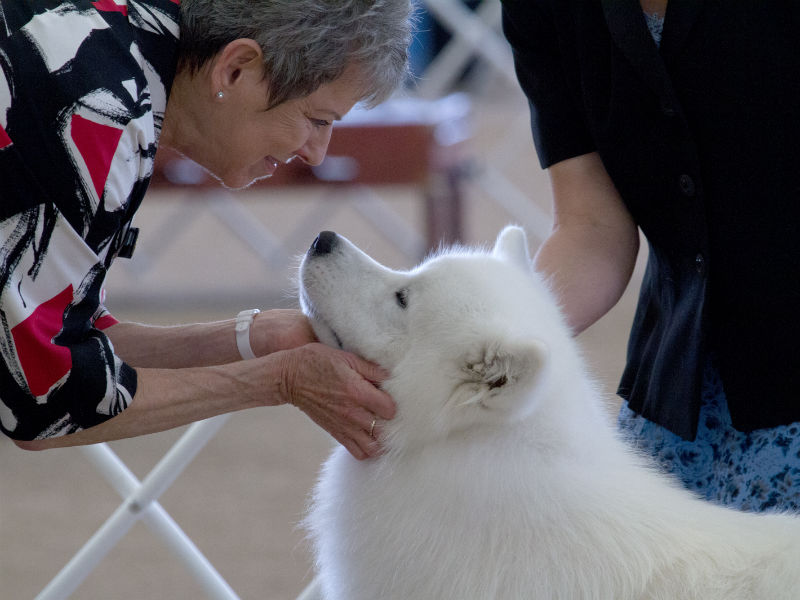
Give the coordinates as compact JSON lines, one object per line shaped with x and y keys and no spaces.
{"x":243,"y":322}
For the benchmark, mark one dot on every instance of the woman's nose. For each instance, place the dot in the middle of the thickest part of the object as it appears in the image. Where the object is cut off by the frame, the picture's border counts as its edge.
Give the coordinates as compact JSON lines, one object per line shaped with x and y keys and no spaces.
{"x":316,"y":146}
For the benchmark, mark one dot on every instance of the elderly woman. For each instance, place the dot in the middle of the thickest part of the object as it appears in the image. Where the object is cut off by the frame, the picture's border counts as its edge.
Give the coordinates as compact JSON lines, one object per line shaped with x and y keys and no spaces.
{"x":84,"y":90}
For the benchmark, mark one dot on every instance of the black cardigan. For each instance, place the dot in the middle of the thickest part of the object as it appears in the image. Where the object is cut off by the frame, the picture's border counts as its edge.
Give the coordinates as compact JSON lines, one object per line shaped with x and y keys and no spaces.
{"x":702,"y":139}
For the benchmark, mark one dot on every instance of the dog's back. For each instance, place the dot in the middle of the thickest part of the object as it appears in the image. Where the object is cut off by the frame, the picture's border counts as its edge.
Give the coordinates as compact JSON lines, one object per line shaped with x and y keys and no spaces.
{"x":494,"y":518}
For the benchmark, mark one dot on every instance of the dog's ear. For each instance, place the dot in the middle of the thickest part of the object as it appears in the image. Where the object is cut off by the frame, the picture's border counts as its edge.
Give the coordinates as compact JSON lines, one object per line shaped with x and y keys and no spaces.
{"x":499,"y":365}
{"x":512,"y":245}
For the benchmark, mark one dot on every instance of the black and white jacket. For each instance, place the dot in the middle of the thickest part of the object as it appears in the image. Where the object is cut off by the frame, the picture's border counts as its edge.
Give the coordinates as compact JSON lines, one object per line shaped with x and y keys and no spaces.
{"x":83,"y":91}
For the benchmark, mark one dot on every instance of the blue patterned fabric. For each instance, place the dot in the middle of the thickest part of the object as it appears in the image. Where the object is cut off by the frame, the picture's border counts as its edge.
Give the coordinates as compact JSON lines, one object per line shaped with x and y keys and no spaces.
{"x":755,"y":471}
{"x":655,"y":23}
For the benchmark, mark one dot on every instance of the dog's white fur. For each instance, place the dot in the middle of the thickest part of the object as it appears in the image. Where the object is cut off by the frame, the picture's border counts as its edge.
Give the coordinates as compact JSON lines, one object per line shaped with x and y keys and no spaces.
{"x":502,"y":477}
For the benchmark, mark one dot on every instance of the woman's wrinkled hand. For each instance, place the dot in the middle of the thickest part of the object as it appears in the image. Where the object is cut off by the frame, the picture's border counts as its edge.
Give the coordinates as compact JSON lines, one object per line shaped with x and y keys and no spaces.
{"x":338,"y":391}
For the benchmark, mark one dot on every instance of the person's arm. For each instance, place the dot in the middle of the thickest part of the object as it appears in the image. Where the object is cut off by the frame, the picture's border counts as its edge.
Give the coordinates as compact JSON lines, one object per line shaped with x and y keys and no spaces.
{"x":591,"y":251}
{"x":206,"y":344}
{"x":590,"y":254}
{"x":335,"y":389}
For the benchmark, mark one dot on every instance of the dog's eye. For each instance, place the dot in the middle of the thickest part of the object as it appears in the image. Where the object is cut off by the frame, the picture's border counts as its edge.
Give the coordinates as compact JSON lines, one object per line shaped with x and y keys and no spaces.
{"x":402,"y":298}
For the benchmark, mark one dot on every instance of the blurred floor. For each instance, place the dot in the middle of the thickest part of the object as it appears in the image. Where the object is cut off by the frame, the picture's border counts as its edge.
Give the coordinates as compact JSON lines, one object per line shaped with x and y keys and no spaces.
{"x":243,"y":496}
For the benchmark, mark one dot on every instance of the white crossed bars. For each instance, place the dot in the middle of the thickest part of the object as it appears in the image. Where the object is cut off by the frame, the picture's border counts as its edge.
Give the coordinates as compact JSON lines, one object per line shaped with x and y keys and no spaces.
{"x":141,"y":503}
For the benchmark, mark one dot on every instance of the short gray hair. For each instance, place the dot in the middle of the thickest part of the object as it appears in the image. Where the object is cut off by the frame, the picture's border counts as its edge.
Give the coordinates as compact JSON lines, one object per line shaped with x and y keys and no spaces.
{"x":305,"y":43}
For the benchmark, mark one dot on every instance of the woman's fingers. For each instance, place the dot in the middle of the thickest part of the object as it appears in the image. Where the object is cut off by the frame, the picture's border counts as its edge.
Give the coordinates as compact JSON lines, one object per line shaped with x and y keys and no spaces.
{"x":337,"y":391}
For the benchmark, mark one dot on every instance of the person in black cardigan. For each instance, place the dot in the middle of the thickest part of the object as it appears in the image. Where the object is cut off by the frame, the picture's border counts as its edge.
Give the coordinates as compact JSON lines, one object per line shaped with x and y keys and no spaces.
{"x":680,"y":119}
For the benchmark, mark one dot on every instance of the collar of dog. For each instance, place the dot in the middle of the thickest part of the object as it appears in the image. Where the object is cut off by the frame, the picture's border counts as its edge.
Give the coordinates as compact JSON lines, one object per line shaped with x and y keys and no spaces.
{"x":243,"y":322}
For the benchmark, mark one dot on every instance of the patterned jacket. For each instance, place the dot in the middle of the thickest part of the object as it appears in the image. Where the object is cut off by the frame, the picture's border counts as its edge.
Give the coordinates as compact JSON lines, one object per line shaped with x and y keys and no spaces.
{"x":83,"y":91}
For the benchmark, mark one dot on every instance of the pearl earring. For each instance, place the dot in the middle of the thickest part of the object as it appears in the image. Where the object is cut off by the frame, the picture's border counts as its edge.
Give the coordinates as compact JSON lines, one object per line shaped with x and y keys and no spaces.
{"x":220,"y":94}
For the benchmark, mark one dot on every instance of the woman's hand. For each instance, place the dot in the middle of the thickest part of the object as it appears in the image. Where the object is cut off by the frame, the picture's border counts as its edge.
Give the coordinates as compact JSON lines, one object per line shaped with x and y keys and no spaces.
{"x":337,"y":390}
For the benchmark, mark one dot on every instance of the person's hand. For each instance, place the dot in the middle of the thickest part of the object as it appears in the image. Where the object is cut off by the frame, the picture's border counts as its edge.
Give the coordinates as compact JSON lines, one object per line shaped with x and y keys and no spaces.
{"x":337,"y":390}
{"x":280,"y":329}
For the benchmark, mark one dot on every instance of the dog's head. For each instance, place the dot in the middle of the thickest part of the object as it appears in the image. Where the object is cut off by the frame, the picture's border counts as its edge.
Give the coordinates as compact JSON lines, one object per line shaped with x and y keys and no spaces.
{"x":465,"y":335}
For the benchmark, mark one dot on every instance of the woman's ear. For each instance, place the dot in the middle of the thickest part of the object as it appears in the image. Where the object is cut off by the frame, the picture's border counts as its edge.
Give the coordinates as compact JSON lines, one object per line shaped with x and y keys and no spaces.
{"x":240,"y":62}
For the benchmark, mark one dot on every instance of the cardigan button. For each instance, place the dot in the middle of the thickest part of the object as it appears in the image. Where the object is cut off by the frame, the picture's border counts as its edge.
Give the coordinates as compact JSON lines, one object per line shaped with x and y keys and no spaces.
{"x":700,"y":263}
{"x":686,"y":185}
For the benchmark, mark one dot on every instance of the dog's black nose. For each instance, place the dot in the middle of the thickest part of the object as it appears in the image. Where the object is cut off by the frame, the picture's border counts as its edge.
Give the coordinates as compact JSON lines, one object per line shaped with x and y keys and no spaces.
{"x":325,"y":243}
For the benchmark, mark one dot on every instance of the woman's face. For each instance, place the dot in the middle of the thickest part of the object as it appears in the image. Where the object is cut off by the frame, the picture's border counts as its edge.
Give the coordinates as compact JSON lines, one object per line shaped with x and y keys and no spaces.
{"x":239,"y":141}
{"x":253,"y":142}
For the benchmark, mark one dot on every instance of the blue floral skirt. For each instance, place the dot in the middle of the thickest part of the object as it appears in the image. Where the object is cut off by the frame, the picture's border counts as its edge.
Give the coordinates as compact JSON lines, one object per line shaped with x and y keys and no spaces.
{"x":755,"y":471}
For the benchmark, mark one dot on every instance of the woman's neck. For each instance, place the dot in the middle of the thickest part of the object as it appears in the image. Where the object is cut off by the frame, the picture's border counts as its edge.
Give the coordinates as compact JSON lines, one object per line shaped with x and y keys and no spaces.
{"x":179,"y":131}
{"x":658,"y":7}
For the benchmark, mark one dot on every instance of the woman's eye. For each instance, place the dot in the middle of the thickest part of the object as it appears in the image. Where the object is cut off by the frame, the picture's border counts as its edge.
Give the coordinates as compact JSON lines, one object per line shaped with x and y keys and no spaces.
{"x":320,"y":122}
{"x":402,"y":298}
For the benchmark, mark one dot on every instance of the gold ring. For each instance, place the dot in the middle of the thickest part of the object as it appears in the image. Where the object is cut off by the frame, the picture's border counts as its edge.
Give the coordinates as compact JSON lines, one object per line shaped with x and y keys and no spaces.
{"x":372,"y":427}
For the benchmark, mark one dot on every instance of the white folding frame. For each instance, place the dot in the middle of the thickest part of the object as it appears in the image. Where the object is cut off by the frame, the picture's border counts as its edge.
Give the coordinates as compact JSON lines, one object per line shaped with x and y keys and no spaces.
{"x":476,"y":34}
{"x":141,"y":503}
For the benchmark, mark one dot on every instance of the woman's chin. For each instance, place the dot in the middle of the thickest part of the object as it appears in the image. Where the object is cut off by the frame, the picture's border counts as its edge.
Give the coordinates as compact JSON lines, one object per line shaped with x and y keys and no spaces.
{"x":241,"y":181}
{"x":245,"y":178}
{"x":237,"y":184}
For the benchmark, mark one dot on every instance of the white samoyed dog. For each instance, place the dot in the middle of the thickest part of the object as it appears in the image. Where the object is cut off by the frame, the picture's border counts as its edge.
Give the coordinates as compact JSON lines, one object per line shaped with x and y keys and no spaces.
{"x":502,"y":477}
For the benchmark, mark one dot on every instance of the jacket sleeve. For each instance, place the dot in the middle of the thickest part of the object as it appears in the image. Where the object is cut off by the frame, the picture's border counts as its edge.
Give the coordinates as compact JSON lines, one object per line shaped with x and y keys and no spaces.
{"x":58,"y":372}
{"x":546,"y":75}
